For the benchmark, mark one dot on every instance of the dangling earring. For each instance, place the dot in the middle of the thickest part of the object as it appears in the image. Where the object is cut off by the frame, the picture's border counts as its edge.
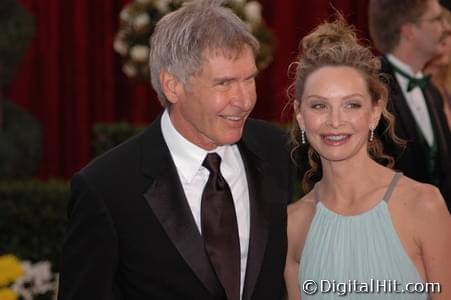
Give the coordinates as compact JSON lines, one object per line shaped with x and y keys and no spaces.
{"x":371,"y":133}
{"x":303,"y":136}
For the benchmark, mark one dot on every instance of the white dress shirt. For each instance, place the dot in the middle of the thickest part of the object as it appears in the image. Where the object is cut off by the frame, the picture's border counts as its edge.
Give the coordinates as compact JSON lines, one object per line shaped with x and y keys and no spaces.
{"x":188,"y":160}
{"x":415,"y":99}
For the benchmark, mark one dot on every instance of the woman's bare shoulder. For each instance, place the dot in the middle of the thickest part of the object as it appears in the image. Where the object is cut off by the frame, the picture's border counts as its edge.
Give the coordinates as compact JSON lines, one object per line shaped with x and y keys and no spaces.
{"x":303,"y":207}
{"x":300,"y":216}
{"x":420,"y":199}
{"x":418,"y":193}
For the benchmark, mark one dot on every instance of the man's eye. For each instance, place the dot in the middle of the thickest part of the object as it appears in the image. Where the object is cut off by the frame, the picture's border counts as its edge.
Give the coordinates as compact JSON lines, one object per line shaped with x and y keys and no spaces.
{"x":223,"y":83}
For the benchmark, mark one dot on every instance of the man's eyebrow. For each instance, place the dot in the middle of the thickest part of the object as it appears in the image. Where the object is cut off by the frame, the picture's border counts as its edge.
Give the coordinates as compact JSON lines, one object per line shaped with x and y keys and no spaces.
{"x":231,"y":78}
{"x":253,"y":75}
{"x":225,"y":78}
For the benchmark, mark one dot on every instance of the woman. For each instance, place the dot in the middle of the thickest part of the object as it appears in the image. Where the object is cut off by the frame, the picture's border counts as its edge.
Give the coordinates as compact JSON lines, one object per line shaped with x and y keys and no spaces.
{"x":362,"y":230}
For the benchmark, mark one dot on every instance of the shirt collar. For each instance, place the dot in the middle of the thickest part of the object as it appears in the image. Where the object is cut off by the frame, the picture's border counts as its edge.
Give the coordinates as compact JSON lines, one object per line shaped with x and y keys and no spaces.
{"x":403,"y":66}
{"x":187,"y":157}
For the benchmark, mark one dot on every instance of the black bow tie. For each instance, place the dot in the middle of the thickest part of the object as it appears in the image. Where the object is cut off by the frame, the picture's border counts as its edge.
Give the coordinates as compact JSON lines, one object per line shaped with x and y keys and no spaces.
{"x":413,"y":81}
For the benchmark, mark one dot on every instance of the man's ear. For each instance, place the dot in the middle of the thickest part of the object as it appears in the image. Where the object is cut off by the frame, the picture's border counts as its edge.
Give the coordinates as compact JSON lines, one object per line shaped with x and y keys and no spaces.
{"x":406,"y":31}
{"x":170,"y":86}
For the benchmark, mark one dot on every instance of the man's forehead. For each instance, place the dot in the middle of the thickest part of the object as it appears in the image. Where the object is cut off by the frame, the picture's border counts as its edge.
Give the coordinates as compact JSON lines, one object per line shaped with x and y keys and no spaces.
{"x":432,"y":7}
{"x":228,"y":53}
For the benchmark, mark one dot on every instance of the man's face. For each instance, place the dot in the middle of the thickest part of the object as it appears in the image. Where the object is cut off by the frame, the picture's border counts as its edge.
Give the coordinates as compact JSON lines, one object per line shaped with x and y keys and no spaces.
{"x":212,"y":110}
{"x":429,"y":30}
{"x":443,"y":59}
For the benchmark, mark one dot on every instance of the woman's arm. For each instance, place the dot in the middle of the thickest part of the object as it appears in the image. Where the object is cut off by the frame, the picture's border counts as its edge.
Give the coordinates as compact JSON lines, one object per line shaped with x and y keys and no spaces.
{"x":434,"y":229}
{"x":300,"y":215}
{"x":292,"y":262}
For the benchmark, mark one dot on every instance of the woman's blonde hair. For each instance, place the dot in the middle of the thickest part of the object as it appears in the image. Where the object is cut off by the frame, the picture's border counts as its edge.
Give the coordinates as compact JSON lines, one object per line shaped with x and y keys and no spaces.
{"x":335,"y":44}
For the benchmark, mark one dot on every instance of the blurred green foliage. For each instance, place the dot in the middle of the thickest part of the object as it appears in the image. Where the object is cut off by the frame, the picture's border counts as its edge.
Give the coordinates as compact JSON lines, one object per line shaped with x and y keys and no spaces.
{"x":20,"y":132}
{"x":33,"y":219}
{"x":109,"y":135}
{"x":20,"y":143}
{"x":17,"y":29}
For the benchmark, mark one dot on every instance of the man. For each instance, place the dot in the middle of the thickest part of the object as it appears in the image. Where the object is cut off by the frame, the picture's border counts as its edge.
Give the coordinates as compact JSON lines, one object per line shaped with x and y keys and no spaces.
{"x":150,"y":219}
{"x":408,"y":33}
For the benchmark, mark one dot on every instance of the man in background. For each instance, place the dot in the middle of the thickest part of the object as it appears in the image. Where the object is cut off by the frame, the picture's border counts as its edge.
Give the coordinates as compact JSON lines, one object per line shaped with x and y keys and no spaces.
{"x":409,"y":34}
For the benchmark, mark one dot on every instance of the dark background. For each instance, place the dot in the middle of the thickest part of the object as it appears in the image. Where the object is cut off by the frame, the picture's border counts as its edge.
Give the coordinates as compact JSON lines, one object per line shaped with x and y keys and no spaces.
{"x":71,"y":78}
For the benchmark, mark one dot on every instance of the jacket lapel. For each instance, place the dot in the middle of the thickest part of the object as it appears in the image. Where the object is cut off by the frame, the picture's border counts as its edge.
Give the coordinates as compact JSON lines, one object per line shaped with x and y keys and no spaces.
{"x":167,"y":200}
{"x":259,"y":190}
{"x":439,"y":131}
{"x":400,"y":105}
{"x":407,"y":117}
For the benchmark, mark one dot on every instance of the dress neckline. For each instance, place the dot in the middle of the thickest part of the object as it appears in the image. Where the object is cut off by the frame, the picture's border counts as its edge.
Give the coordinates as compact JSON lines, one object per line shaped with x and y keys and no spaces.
{"x":385,"y":199}
{"x":357,"y":215}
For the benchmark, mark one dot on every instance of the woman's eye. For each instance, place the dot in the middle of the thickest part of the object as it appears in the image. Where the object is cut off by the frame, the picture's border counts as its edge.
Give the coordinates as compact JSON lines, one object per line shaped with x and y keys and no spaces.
{"x":353,"y":105}
{"x":318,"y":106}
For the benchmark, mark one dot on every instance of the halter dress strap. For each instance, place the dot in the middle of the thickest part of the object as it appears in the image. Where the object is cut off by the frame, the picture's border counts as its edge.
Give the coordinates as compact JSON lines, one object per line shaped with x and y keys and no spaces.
{"x":387,"y":195}
{"x":316,"y":191}
{"x":392,"y":186}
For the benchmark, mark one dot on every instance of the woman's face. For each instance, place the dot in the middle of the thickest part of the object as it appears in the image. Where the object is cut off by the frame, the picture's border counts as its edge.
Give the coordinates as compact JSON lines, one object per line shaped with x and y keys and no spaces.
{"x":337,"y":112}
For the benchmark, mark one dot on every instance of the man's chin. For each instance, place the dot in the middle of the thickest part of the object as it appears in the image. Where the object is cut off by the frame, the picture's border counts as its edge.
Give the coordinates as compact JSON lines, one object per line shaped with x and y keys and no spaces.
{"x":230,"y":140}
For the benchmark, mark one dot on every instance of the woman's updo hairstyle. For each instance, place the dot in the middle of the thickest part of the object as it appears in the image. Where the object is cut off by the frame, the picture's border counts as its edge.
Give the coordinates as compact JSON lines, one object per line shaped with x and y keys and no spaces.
{"x":336,"y":44}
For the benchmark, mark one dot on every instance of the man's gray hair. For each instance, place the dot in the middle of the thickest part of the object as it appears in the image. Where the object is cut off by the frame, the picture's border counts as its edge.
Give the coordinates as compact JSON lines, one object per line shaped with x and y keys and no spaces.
{"x":181,"y":38}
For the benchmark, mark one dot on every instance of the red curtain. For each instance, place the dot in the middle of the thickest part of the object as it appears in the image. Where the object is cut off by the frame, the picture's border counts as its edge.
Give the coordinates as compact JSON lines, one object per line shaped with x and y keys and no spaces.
{"x":71,"y":78}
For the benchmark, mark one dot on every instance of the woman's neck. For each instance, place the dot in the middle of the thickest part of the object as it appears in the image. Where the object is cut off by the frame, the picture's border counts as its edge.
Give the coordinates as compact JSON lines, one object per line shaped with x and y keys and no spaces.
{"x":346,"y":181}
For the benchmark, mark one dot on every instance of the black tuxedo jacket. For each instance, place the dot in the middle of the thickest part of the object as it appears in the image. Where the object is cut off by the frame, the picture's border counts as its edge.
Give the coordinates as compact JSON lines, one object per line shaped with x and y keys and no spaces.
{"x":412,"y":160}
{"x":131,"y":233}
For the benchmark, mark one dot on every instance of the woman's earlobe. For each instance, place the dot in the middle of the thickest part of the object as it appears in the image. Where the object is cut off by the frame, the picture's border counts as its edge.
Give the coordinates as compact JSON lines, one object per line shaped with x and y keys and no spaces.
{"x":377,"y":112}
{"x":300,"y":119}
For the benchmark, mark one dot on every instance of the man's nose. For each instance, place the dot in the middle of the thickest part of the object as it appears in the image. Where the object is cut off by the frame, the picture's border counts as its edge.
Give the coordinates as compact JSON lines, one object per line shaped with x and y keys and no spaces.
{"x":244,"y":95}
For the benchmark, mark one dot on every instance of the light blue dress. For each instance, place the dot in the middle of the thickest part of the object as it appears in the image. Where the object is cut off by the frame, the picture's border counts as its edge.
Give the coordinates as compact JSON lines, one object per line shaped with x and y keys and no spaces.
{"x":360,"y":256}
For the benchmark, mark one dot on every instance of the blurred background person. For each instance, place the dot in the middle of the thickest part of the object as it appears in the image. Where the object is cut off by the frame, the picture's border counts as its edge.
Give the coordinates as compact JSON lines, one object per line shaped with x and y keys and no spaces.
{"x":439,"y":68}
{"x":409,"y":33}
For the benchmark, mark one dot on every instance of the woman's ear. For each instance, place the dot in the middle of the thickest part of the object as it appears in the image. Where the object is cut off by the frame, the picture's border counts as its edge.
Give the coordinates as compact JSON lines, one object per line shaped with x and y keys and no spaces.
{"x":170,"y":86}
{"x":298,"y":114}
{"x":376,"y":113}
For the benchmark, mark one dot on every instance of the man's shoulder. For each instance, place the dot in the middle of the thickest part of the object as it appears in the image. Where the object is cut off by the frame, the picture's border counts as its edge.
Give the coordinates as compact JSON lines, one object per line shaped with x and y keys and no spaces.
{"x":271,"y":144}
{"x":265,"y":136}
{"x":123,"y":160}
{"x":115,"y":155}
{"x":263,"y":129}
